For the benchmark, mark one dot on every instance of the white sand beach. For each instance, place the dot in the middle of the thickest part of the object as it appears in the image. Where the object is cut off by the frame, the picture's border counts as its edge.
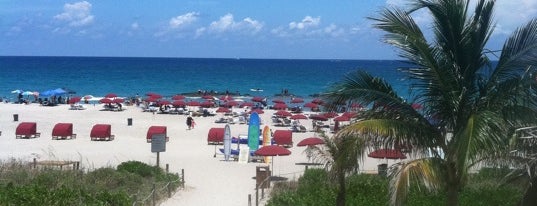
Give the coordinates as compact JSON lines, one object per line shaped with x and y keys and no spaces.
{"x":209,"y":180}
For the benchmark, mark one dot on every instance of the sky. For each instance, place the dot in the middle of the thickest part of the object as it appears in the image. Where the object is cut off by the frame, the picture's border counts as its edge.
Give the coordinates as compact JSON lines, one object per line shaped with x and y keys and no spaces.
{"x":266,"y":29}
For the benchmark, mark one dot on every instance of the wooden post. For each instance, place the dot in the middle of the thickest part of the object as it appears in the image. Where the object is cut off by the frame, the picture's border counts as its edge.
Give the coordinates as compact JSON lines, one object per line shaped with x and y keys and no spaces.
{"x":183,"y":178}
{"x":35,"y":163}
{"x":158,"y":159}
{"x":249,"y":199}
{"x":256,"y":195}
{"x":154,"y":195}
{"x":167,"y":168}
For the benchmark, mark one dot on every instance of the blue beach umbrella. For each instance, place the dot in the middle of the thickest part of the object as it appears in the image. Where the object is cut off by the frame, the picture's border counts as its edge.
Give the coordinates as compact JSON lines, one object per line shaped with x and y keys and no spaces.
{"x":16,"y":91}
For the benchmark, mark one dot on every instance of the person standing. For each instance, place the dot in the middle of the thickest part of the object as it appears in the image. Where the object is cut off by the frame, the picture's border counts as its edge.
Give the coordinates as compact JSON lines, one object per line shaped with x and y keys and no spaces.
{"x":189,"y":121}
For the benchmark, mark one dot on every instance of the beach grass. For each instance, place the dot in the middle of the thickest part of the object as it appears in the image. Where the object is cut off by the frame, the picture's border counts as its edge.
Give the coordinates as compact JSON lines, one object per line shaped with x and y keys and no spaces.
{"x":131,"y":183}
{"x":315,"y":188}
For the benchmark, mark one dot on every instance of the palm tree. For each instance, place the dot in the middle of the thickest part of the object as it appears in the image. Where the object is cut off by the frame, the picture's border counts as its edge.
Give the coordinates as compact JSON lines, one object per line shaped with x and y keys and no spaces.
{"x":340,"y":158}
{"x":471,"y":105}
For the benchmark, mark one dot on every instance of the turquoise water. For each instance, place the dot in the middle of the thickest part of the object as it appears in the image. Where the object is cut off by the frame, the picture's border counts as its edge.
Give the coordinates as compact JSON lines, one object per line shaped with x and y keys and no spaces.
{"x":127,"y":77}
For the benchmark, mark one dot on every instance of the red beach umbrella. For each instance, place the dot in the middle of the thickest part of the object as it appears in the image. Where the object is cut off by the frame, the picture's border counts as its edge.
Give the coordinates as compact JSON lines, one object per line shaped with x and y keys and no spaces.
{"x":297,"y":100}
{"x":272,"y":150}
{"x":317,"y":101}
{"x":193,"y":103}
{"x":231,"y":104}
{"x":106,"y":101}
{"x":223,"y":110}
{"x":178,"y":97}
{"x":73,"y":100}
{"x":310,"y":141}
{"x":279,"y":106}
{"x":259,"y":111}
{"x":349,"y":114}
{"x":330,"y":114}
{"x":207,"y":104}
{"x":319,"y":117}
{"x":257,"y":99}
{"x":247,"y":104}
{"x":311,"y":105}
{"x":179,"y":103}
{"x":278,"y":101}
{"x":387,"y":154}
{"x":298,"y":116}
{"x":118,"y":100}
{"x":417,"y":106}
{"x":164,"y":102}
{"x":154,"y":95}
{"x":207,"y":97}
{"x":283,"y":113}
{"x":342,"y":118}
{"x":110,"y":95}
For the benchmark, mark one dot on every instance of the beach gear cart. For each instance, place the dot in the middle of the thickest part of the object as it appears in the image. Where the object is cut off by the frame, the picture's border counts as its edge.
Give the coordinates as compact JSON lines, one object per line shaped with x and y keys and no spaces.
{"x":63,"y":131}
{"x":27,"y":130}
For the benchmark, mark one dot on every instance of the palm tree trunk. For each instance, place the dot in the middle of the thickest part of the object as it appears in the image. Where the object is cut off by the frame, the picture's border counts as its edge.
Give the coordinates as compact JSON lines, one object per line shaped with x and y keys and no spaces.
{"x":453,"y":185}
{"x":529,"y":198}
{"x":340,"y":200}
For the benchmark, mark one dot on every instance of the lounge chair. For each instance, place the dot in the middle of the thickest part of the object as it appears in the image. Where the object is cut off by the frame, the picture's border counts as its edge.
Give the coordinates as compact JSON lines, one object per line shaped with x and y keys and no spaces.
{"x":77,"y":107}
{"x":153,"y":130}
{"x":102,"y":132}
{"x":283,"y":138}
{"x":27,"y":130}
{"x":242,"y":120}
{"x":221,"y":120}
{"x":63,"y":131}
{"x":215,"y":136}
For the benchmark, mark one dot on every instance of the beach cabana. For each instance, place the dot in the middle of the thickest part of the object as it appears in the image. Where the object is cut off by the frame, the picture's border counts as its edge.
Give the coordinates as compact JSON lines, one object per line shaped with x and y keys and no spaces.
{"x":63,"y":131}
{"x":153,"y":130}
{"x":27,"y":130}
{"x":215,"y":136}
{"x":283,"y":138}
{"x":102,"y":132}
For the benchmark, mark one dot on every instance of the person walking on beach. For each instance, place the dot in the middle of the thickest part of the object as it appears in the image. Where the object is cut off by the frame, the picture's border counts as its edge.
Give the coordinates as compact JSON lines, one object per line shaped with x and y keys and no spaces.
{"x":189,"y":121}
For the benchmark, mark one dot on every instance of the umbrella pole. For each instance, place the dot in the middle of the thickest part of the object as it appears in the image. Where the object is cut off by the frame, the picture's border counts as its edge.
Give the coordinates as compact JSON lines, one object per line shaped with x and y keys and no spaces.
{"x":214,"y":151}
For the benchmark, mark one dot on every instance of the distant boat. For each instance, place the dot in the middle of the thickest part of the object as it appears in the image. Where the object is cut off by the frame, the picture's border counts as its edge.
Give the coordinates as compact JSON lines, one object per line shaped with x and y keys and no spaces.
{"x":256,"y":90}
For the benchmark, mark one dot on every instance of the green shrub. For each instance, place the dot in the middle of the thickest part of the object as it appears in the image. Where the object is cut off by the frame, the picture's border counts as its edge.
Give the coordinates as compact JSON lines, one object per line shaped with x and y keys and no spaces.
{"x":140,"y":168}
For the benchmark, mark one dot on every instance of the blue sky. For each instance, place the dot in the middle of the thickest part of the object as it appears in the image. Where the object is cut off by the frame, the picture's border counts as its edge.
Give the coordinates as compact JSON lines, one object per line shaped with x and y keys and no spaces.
{"x":213,"y":29}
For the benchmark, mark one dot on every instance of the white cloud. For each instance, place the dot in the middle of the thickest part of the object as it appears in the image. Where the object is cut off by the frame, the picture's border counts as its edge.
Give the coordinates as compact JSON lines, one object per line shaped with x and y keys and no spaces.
{"x":227,"y":23}
{"x":183,"y":20}
{"x":77,"y":14}
{"x":135,"y":26}
{"x":306,"y":23}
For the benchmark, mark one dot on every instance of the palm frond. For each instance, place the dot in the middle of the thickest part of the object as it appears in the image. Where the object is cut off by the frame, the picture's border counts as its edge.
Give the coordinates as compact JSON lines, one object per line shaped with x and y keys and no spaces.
{"x":425,"y":171}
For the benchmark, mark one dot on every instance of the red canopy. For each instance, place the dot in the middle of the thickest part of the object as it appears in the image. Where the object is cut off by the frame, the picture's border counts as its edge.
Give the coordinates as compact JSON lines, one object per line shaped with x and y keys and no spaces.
{"x":318,"y":117}
{"x":283,"y":137}
{"x":258,"y":111}
{"x":297,"y":100}
{"x":62,"y":129}
{"x":179,"y":103}
{"x":231,"y":104}
{"x":257,"y":99}
{"x":278,"y":101}
{"x":272,"y":150}
{"x":73,"y":100}
{"x":387,"y":154}
{"x":299,"y":116}
{"x":330,"y":114}
{"x":208,"y":97}
{"x":342,"y":118}
{"x":178,"y":97}
{"x":223,"y":110}
{"x":110,"y":95}
{"x":247,"y":104}
{"x":310,"y":141}
{"x":154,"y":95}
{"x":317,"y":101}
{"x":207,"y":104}
{"x":215,"y":136}
{"x":118,"y":100}
{"x":155,"y":130}
{"x":311,"y":105}
{"x":350,"y":114}
{"x":106,"y":101}
{"x":26,"y":129}
{"x":193,"y":103}
{"x":280,"y":106}
{"x":101,"y":131}
{"x":164,"y":102}
{"x":283,"y":113}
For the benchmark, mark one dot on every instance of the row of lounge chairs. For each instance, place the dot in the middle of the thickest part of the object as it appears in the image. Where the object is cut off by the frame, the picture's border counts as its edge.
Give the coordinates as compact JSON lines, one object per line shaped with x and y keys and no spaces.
{"x":62,"y":131}
{"x":232,"y":120}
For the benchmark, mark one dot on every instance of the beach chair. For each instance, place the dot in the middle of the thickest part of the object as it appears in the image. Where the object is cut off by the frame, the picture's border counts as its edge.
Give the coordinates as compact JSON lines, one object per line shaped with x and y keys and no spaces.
{"x":215,"y":136}
{"x":27,"y":130}
{"x":283,"y":138}
{"x":153,"y":130}
{"x":102,"y":132}
{"x":63,"y":131}
{"x":242,"y":120}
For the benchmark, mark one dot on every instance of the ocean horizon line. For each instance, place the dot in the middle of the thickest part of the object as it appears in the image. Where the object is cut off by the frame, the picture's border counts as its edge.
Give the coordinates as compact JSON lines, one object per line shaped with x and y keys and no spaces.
{"x":221,"y":58}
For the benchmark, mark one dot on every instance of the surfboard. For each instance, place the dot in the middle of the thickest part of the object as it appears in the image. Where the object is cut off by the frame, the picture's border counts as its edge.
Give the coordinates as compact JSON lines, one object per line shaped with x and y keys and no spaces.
{"x":253,"y":132}
{"x":227,"y":142}
{"x":266,"y":141}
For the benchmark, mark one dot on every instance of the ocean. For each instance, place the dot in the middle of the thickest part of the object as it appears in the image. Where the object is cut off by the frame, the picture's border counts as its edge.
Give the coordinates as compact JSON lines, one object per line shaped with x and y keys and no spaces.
{"x":127,"y":77}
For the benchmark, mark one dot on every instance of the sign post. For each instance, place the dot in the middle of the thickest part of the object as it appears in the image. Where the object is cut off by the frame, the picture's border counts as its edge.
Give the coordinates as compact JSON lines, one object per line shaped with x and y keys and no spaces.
{"x":158,"y":144}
